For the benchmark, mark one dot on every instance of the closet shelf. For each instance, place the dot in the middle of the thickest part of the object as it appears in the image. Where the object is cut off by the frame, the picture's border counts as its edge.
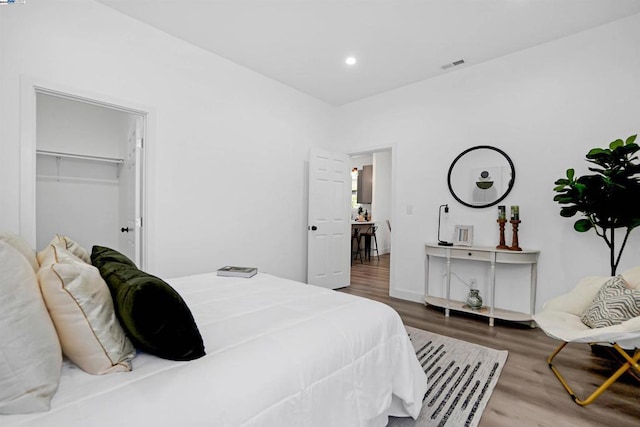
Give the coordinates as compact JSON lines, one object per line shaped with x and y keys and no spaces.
{"x":59,"y":156}
{"x":76,"y":179}
{"x":80,"y":156}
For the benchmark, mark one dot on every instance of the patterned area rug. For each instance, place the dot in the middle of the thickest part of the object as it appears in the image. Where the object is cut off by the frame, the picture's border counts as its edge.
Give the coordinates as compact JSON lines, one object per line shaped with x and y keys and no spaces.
{"x":461,"y":378}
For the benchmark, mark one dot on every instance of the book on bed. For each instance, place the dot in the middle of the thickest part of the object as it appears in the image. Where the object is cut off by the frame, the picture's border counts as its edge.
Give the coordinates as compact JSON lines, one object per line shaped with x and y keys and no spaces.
{"x":235,"y":271}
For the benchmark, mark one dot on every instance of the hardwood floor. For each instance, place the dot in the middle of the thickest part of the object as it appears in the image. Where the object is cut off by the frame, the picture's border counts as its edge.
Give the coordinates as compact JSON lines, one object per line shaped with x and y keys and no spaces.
{"x":527,"y":394}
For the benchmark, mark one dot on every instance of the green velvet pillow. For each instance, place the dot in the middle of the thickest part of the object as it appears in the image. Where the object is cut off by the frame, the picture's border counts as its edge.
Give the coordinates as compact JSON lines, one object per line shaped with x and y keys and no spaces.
{"x":154,"y":315}
{"x":101,"y":255}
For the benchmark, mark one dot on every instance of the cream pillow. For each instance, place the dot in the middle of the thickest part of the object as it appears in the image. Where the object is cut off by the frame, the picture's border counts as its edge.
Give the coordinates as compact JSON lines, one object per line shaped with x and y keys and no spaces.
{"x":72,"y":247}
{"x":81,"y":307}
{"x":55,"y":253}
{"x":22,"y":246}
{"x":30,"y":356}
{"x":632,"y":277}
{"x":65,"y":243}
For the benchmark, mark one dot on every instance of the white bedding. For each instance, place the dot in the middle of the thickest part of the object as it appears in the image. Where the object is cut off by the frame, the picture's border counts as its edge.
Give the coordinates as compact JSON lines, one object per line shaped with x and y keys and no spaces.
{"x":279,"y":353}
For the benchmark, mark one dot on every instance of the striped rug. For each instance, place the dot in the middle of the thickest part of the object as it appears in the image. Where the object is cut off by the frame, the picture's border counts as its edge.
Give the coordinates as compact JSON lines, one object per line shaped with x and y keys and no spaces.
{"x":461,"y":377}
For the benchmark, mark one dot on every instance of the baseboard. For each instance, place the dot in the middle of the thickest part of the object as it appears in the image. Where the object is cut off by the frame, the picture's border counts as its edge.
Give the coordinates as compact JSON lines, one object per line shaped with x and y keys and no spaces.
{"x":407,"y":295}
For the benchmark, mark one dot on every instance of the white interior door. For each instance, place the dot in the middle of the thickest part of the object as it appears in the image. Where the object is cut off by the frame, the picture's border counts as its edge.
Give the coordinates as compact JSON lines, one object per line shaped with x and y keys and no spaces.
{"x":131,"y":194}
{"x":329,"y":227}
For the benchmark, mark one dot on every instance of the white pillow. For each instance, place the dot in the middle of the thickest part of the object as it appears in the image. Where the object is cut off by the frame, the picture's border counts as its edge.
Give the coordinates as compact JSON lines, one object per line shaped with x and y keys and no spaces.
{"x":81,"y":307}
{"x":30,"y":355}
{"x":22,"y":246}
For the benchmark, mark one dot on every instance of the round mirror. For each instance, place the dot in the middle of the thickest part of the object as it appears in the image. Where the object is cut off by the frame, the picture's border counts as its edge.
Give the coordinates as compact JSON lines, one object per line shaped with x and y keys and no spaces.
{"x":481,"y":176}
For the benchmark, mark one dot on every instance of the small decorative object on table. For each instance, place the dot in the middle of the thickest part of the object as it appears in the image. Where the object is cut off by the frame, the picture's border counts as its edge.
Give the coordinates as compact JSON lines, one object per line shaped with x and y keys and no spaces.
{"x":515,"y":212}
{"x":515,"y":220}
{"x":502,"y":220}
{"x":474,"y":300}
{"x":234,"y":271}
{"x":463,"y":235}
{"x":501,"y":212}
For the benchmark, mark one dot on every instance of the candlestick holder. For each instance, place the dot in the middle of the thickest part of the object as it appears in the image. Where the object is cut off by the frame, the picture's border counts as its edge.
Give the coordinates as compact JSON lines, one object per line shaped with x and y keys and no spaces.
{"x":514,"y":244}
{"x":502,"y":245}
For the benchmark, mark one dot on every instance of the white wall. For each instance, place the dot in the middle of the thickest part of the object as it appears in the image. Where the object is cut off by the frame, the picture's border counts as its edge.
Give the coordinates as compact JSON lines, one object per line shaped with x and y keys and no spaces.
{"x":227,"y":147}
{"x":545,"y":107}
{"x":382,"y":198}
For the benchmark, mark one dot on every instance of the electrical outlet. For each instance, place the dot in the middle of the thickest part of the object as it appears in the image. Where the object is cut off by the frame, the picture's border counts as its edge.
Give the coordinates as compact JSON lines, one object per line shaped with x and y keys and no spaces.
{"x":473,"y":283}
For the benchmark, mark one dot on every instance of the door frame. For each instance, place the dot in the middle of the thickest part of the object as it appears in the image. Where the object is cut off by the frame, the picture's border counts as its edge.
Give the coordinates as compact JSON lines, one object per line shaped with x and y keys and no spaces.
{"x":393,"y":149}
{"x":29,"y":89}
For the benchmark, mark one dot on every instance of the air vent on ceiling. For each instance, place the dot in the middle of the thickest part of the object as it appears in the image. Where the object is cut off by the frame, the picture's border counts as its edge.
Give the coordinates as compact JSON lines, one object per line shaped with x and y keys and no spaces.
{"x":453,"y":64}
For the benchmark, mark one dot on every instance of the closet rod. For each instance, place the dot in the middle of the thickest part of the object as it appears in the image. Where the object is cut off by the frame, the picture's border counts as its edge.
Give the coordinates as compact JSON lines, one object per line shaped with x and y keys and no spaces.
{"x":80,"y":156}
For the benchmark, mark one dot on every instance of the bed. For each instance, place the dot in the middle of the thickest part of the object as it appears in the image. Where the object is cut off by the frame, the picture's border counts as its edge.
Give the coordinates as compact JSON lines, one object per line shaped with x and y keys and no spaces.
{"x":278,"y":352}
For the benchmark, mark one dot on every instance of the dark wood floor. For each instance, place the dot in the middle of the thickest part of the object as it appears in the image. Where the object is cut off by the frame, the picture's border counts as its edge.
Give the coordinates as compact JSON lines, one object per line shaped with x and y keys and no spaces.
{"x":527,"y":394}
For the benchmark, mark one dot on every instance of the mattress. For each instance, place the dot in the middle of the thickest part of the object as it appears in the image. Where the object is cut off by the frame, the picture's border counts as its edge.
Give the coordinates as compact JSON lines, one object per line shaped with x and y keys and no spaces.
{"x":279,"y":352}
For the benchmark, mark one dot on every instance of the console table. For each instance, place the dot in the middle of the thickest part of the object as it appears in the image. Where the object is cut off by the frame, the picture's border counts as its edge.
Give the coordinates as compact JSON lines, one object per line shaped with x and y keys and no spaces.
{"x":493,"y":257}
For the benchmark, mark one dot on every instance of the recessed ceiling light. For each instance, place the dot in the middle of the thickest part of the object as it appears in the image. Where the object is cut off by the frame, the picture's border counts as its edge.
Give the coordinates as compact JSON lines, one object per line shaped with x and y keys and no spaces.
{"x":350,"y":60}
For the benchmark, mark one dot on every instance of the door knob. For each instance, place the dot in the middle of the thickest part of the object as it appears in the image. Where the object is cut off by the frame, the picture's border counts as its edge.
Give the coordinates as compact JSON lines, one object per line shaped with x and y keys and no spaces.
{"x":124,"y":229}
{"x":314,"y":228}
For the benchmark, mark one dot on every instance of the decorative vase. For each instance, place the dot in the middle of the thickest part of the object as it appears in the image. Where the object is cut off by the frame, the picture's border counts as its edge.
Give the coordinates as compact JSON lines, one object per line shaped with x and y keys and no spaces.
{"x":474,"y":300}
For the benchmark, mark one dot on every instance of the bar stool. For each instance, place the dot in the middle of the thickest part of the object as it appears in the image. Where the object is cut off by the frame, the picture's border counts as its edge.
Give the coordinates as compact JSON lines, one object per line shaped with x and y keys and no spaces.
{"x":355,"y":237}
{"x":368,"y":236}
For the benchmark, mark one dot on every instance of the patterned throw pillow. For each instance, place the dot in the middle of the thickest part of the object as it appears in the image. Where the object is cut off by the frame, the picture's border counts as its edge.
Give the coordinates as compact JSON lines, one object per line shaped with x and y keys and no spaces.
{"x":614,"y":303}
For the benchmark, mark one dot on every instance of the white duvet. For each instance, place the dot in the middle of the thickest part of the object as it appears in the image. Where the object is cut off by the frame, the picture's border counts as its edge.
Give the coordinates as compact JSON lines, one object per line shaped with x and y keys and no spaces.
{"x":279,"y":353}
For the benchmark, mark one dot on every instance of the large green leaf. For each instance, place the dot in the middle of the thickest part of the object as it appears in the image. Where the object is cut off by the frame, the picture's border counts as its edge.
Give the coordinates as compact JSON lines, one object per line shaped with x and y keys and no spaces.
{"x":625,"y":150}
{"x":615,"y":144}
{"x":598,"y":151}
{"x":570,"y":174}
{"x":580,"y":187}
{"x":568,"y":211}
{"x":563,"y":198}
{"x":583,"y":225}
{"x":631,"y":139}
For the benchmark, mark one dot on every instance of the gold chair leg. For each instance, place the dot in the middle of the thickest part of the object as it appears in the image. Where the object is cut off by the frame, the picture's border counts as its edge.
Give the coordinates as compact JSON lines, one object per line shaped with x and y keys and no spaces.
{"x":632,"y":362}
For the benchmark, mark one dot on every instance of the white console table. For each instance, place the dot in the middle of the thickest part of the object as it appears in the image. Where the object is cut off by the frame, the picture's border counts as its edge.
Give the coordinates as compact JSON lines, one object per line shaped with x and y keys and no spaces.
{"x":493,"y":257}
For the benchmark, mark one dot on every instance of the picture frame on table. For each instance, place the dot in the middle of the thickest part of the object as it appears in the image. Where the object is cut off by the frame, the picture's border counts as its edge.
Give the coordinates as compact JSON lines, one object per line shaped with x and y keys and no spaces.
{"x":463,"y":235}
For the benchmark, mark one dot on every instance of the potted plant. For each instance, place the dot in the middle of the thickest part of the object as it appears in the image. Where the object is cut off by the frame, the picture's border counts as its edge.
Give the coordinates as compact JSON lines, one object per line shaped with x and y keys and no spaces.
{"x":609,"y":198}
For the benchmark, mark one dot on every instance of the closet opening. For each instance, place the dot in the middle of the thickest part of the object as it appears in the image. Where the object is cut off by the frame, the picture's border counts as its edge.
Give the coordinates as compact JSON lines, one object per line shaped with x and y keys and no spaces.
{"x":89,"y":173}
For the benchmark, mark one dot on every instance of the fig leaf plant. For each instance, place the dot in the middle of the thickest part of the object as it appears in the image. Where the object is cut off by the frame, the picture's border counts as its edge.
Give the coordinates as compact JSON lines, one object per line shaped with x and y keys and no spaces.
{"x":609,"y":198}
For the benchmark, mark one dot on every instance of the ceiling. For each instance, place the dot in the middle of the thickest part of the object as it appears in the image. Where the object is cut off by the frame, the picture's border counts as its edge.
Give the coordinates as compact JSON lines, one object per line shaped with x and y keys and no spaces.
{"x":304,"y":43}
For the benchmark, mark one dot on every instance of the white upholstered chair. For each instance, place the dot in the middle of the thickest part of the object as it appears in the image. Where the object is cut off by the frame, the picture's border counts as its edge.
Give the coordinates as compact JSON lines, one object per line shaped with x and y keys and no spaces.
{"x":560,"y":318}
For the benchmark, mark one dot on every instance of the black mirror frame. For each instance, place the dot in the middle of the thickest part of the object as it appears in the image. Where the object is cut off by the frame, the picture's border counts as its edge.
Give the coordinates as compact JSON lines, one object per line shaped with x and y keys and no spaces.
{"x":501,"y":198}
